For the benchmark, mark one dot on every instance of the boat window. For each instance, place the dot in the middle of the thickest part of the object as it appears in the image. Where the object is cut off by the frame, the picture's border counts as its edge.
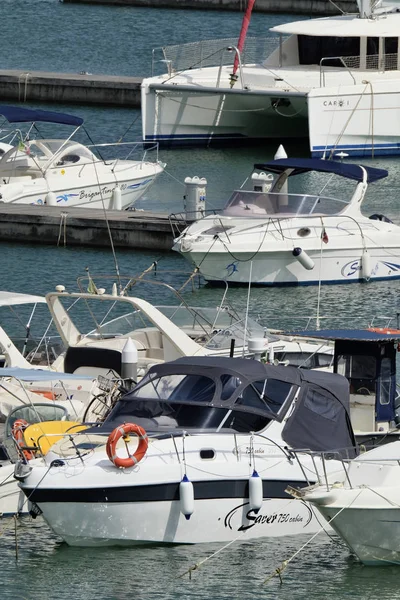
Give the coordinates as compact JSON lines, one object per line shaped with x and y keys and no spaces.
{"x":195,"y":388}
{"x":305,"y":360}
{"x":156,"y":415}
{"x":312,"y":49}
{"x":360,"y":370}
{"x":319,"y":403}
{"x":267,"y":394}
{"x":385,"y":381}
{"x":245,"y":203}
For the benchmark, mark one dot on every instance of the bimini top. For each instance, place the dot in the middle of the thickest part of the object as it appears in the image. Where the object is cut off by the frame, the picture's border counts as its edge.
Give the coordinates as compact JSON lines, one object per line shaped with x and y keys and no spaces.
{"x":304,"y":165}
{"x":344,"y":26}
{"x":14,"y":298}
{"x":373,"y":334}
{"x":15,"y":114}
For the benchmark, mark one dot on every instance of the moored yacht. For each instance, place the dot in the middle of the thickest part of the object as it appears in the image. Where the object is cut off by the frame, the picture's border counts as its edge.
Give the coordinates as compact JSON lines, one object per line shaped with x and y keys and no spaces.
{"x":269,"y":236}
{"x":363,"y":505}
{"x":334,"y":80}
{"x":65,"y":172}
{"x":212,"y":460}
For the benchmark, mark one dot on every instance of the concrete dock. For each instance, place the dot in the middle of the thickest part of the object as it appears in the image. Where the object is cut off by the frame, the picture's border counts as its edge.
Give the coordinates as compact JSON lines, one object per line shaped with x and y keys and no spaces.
{"x":86,"y":227}
{"x":69,"y":88}
{"x":308,"y":7}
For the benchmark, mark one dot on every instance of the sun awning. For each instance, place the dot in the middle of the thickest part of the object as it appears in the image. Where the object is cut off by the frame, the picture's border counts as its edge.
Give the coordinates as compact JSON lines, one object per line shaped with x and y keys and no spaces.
{"x":39,"y":374}
{"x":14,"y":299}
{"x":304,"y":165}
{"x":343,"y":26}
{"x":16,"y":114}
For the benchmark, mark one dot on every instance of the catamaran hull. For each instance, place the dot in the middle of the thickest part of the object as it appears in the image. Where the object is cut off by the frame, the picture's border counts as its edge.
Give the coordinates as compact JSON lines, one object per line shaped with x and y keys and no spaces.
{"x":214,"y":520}
{"x":281,"y":268}
{"x":357,"y":118}
{"x":181,"y":115}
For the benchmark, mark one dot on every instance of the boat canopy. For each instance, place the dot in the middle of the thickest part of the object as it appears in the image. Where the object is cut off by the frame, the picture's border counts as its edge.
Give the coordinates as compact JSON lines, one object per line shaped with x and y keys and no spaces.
{"x":14,"y":299}
{"x":40,"y":374}
{"x":240,"y":395}
{"x":16,"y":114}
{"x":373,"y":334}
{"x":343,"y":26}
{"x":304,"y":165}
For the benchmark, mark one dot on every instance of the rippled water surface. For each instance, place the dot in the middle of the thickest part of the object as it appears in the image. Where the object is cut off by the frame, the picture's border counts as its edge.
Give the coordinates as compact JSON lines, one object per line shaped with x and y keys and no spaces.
{"x":50,"y":35}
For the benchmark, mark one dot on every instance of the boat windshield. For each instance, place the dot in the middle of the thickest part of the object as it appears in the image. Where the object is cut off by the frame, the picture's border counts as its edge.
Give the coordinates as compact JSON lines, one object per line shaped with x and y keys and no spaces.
{"x":244,"y":203}
{"x":182,"y":401}
{"x":212,"y":327}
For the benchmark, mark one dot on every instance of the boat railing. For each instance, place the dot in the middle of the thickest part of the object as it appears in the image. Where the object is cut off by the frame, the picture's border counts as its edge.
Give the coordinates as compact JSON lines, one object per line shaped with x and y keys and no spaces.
{"x":211,"y":53}
{"x":342,"y":476}
{"x":371,"y":62}
{"x":142,"y":148}
{"x":324,"y":62}
{"x":180,"y":221}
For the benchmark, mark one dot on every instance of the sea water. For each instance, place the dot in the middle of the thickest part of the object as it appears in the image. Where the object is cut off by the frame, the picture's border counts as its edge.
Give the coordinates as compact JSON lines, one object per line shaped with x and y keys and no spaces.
{"x":52,"y":36}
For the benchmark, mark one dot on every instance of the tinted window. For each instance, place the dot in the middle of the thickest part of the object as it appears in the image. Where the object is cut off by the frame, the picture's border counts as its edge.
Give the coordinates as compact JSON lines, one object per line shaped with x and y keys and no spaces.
{"x":268,"y":394}
{"x":177,"y":388}
{"x":313,"y":49}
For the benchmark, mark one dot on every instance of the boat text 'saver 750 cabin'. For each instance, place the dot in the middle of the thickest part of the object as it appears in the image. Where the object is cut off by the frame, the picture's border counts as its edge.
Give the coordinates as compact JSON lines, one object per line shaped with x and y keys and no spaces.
{"x":212,"y":462}
{"x":335,"y":80}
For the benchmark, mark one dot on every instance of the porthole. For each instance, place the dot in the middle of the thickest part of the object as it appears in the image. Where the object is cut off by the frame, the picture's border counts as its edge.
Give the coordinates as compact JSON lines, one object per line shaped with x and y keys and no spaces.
{"x":304,"y":232}
{"x":207,"y":454}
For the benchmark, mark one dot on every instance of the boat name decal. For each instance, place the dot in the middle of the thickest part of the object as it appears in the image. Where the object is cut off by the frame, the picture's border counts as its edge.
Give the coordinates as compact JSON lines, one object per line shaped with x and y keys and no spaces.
{"x":104,"y":191}
{"x":232,"y":268}
{"x":339,"y":103}
{"x":354,"y":266}
{"x":266,"y":519}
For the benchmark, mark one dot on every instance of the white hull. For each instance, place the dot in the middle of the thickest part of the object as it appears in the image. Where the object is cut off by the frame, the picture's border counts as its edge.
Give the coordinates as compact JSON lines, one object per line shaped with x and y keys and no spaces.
{"x":77,"y":194}
{"x":12,"y":499}
{"x":373,"y":534}
{"x":200,"y":117}
{"x":346,"y":118}
{"x":281,"y":268}
{"x":216,"y":520}
{"x":96,"y":503}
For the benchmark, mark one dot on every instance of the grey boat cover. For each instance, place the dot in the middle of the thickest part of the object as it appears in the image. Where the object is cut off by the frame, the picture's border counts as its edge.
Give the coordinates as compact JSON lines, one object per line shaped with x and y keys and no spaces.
{"x":319,"y":420}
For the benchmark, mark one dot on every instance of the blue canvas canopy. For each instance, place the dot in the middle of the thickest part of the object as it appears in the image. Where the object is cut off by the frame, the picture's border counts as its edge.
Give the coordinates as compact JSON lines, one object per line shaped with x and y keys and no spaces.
{"x":16,"y":114}
{"x":374,"y":334}
{"x":304,"y":165}
{"x":38,"y":374}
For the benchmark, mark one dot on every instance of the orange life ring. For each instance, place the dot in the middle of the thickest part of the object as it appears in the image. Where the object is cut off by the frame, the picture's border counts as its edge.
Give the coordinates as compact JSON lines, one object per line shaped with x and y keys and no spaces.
{"x":45,"y":393}
{"x":17,"y":432}
{"x":386,"y":330}
{"x":123,"y":431}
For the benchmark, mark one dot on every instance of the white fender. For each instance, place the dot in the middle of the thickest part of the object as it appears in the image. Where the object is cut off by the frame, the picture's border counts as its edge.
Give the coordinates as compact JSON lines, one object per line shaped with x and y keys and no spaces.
{"x":366,"y":269}
{"x":255,"y":491}
{"x":186,"y":497}
{"x":304,"y":259}
{"x":51,"y":199}
{"x":116,"y":198}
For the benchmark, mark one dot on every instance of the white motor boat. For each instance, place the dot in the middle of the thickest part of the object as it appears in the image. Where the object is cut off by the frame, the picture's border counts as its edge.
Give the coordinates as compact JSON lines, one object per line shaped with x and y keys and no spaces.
{"x":43,"y":423}
{"x":212,"y":463}
{"x":362,"y":504}
{"x":335,"y":80}
{"x":268,"y":236}
{"x":64,"y":172}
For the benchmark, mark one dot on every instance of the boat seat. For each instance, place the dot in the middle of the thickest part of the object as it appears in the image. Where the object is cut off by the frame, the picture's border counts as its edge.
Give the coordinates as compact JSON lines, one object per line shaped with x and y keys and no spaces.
{"x":151,"y":341}
{"x":362,"y":412}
